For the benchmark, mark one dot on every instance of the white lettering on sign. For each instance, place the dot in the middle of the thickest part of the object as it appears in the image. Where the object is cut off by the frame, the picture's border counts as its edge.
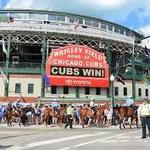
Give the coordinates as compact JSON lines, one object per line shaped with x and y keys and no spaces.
{"x":78,"y":82}
{"x":65,"y":71}
{"x":61,"y":62}
{"x":94,"y":64}
{"x":94,"y":54}
{"x":93,"y":72}
{"x":68,"y":71}
{"x":67,"y":51}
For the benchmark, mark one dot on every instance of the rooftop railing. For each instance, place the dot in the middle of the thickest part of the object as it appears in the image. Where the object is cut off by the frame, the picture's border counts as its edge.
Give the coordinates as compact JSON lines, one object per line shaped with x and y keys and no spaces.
{"x":65,"y":29}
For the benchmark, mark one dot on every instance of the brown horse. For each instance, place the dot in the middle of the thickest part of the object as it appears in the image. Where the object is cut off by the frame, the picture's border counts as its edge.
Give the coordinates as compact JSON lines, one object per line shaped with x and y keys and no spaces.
{"x":46,"y":114}
{"x":87,"y":112}
{"x":9,"y":116}
{"x":59,"y":115}
{"x":100,"y":113}
{"x":125,"y":113}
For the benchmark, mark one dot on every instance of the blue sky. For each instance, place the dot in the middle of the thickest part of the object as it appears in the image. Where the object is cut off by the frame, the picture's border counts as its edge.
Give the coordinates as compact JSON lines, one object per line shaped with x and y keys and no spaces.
{"x":134,"y":14}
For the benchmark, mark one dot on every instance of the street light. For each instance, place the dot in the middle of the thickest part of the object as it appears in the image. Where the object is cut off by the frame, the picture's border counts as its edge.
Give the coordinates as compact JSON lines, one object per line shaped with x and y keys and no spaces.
{"x":112,"y":78}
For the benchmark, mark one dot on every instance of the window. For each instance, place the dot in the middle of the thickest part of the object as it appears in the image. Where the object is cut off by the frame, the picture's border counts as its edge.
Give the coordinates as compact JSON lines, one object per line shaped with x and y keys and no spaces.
{"x":59,"y":18}
{"x":116,"y":29}
{"x":122,"y":31}
{"x":53,"y":90}
{"x":95,"y":24}
{"x":74,"y":19}
{"x":127,"y":33}
{"x":103,"y":25}
{"x":87,"y":91}
{"x":110,"y":27}
{"x":30,"y":88}
{"x":116,"y":91}
{"x":19,"y":15}
{"x":98,"y":91}
{"x":18,"y":88}
{"x":88,"y":22}
{"x":146,"y":92}
{"x":37,"y":16}
{"x":65,"y":90}
{"x":125,"y":91}
{"x":108,"y":94}
{"x":139,"y":92}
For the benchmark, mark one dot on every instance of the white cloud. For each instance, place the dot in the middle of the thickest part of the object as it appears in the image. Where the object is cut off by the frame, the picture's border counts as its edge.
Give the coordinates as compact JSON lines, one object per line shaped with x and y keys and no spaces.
{"x":145,"y":30}
{"x":28,"y":4}
{"x":106,"y":3}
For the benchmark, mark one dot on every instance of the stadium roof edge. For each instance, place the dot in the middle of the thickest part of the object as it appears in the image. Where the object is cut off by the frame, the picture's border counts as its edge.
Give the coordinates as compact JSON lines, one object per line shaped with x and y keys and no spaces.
{"x":68,"y":13}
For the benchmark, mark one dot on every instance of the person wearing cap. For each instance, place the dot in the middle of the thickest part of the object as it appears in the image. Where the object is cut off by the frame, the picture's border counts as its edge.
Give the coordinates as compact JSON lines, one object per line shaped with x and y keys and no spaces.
{"x":70,"y":113}
{"x":18,"y":104}
{"x":129,"y":101}
{"x":92,"y":105}
{"x":144,"y":116}
{"x":55,"y":106}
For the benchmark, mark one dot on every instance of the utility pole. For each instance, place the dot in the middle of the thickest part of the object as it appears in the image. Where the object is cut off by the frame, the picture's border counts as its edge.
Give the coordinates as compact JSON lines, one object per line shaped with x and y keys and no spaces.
{"x":43,"y":51}
{"x":7,"y":66}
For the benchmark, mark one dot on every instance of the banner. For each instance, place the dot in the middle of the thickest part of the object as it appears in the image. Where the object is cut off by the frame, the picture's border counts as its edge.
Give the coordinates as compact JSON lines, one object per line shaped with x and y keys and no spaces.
{"x":77,"y":65}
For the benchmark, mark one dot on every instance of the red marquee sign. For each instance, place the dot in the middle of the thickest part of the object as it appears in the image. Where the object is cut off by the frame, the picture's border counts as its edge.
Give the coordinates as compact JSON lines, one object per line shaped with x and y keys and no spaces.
{"x":78,"y":66}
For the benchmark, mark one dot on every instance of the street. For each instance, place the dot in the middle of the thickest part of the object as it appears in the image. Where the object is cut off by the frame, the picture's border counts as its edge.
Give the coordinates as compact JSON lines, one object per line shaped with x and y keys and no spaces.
{"x":57,"y":138}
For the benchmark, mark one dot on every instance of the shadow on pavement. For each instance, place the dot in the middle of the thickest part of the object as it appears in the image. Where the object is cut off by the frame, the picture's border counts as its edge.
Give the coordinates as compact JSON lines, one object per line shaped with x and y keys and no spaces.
{"x":5,"y":147}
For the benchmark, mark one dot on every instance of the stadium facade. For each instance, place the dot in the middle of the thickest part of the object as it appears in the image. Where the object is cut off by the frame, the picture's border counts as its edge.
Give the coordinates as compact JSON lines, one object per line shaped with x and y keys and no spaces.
{"x":88,"y":50}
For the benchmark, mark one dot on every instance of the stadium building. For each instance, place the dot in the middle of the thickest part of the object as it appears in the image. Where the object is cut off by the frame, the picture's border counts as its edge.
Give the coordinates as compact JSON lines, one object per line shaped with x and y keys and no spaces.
{"x":57,"y":55}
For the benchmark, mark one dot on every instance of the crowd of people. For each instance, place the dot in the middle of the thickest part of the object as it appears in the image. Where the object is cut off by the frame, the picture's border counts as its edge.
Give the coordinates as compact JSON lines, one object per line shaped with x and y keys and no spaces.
{"x":72,"y":113}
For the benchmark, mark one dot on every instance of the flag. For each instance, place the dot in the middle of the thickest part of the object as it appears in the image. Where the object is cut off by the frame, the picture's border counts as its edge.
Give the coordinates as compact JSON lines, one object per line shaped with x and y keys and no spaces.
{"x":4,"y":76}
{"x":3,"y":47}
{"x":46,"y":79}
{"x":121,"y":79}
{"x":146,"y":50}
{"x":76,"y":25}
{"x":10,"y":19}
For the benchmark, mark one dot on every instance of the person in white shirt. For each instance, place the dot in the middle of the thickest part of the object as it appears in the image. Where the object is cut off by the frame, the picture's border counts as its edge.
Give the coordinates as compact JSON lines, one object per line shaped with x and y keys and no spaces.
{"x":70,"y":113}
{"x":144,"y":117}
{"x":92,"y":105}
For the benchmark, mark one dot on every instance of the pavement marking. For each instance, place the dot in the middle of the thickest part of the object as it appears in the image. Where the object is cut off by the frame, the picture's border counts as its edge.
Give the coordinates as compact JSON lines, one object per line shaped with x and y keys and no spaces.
{"x":102,"y":139}
{"x":58,"y":140}
{"x":65,"y":148}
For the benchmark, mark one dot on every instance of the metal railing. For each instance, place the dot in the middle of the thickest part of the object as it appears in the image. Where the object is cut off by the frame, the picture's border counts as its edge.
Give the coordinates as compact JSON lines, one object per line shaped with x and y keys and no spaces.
{"x":65,"y":29}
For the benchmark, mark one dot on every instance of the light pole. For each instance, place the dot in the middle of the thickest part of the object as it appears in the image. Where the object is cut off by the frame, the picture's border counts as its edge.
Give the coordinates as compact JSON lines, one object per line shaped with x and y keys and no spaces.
{"x":112,"y":78}
{"x":133,"y":71}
